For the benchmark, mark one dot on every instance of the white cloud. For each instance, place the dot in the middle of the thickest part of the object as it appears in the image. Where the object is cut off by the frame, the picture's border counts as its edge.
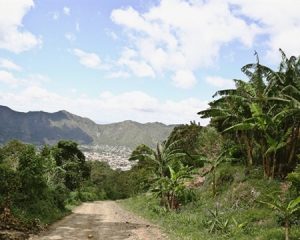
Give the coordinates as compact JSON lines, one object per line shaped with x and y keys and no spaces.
{"x":36,"y":80}
{"x":179,"y":36}
{"x":11,"y":80}
{"x":279,"y":20}
{"x":70,"y":36}
{"x":184,"y":79}
{"x":112,"y":34}
{"x":67,"y":11}
{"x":13,"y":36}
{"x":89,"y":60}
{"x":8,"y":79}
{"x":137,"y":67}
{"x":188,"y":35}
{"x":8,"y":64}
{"x":108,"y":107}
{"x":220,"y":82}
{"x":118,"y":74}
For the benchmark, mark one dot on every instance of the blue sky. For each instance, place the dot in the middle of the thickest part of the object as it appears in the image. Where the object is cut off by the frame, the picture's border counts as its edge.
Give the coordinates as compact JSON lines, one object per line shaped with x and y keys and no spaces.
{"x":146,"y":61}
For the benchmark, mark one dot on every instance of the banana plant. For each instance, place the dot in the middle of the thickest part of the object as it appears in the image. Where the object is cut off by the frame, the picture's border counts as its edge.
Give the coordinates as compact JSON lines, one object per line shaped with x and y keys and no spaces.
{"x":172,"y":187}
{"x":214,"y":163}
{"x":275,"y":144}
{"x":284,"y":209}
{"x":164,"y":155}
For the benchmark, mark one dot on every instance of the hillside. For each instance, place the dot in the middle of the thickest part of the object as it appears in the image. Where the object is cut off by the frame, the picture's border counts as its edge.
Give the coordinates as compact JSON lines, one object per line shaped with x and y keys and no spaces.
{"x":43,"y":127}
{"x":235,"y":213}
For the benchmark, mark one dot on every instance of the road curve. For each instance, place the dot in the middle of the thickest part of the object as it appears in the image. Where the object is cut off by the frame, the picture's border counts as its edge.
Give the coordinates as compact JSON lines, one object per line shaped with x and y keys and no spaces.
{"x":102,"y":220}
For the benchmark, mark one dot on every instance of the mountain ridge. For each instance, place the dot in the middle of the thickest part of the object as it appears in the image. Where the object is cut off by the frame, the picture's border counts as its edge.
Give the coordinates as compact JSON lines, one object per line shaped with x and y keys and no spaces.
{"x":40,"y":127}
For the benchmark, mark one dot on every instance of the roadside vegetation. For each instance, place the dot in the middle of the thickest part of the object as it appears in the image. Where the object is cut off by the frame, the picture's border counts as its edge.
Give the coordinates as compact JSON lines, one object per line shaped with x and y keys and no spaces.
{"x":41,"y":185}
{"x":239,"y":177}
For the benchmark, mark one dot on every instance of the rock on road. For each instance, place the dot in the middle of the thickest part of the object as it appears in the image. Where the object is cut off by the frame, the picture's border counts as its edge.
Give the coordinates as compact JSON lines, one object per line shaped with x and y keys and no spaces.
{"x":102,"y":220}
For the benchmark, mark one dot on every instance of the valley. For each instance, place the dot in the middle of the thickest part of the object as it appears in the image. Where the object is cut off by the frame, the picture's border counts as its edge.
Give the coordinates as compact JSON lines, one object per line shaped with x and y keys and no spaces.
{"x":110,"y":143}
{"x":115,"y":156}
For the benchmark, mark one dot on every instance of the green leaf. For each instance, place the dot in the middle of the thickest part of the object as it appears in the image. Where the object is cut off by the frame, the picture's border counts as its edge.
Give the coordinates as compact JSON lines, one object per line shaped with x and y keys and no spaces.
{"x":294,"y":203}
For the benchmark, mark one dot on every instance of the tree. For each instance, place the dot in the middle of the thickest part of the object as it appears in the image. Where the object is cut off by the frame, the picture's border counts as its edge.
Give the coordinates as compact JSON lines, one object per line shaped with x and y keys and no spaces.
{"x":9,"y":184}
{"x":186,"y":136}
{"x":172,"y":187}
{"x":31,"y":171}
{"x":54,"y":174}
{"x":11,"y":153}
{"x":67,"y":150}
{"x":167,"y":168}
{"x":141,"y":154}
{"x":214,"y":163}
{"x":284,"y":209}
{"x":294,"y":178}
{"x":263,"y":115}
{"x":166,"y":154}
{"x":68,"y":156}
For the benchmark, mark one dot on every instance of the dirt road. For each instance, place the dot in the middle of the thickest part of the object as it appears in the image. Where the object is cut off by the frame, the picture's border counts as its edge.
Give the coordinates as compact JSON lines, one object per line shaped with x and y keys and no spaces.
{"x":101,"y":220}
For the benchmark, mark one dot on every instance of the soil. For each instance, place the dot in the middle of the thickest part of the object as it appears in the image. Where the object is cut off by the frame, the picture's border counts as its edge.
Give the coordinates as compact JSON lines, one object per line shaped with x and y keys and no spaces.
{"x":102,"y":220}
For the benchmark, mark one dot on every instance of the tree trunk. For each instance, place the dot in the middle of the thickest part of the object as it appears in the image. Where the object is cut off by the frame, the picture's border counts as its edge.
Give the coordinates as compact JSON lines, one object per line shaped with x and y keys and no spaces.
{"x":172,"y":200}
{"x":248,"y":150}
{"x":264,"y":166}
{"x":268,"y":166}
{"x":266,"y":161}
{"x":214,"y":182}
{"x":274,"y":165}
{"x":294,"y":141}
{"x":286,"y":227}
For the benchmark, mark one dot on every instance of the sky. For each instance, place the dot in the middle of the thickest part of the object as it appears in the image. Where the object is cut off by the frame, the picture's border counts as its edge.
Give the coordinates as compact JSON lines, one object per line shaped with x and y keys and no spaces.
{"x":141,"y":60}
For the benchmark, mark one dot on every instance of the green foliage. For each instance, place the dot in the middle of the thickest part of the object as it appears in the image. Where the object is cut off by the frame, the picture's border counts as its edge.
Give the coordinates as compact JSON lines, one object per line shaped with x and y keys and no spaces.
{"x":67,"y":150}
{"x":140,"y":154}
{"x":294,"y":178}
{"x":11,"y":153}
{"x":284,"y":208}
{"x":216,"y":223}
{"x":31,"y":171}
{"x":209,"y":143}
{"x":41,"y":184}
{"x":172,"y":189}
{"x":224,"y":178}
{"x":72,"y":161}
{"x":213,"y":164}
{"x":240,"y":215}
{"x":186,"y":136}
{"x":109,"y":184}
{"x":9,"y":184}
{"x":168,"y":172}
{"x":33,"y":185}
{"x":262,"y":116}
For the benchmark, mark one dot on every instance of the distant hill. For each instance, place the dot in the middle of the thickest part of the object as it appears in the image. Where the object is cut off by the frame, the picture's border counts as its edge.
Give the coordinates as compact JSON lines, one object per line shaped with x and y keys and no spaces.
{"x":43,"y":127}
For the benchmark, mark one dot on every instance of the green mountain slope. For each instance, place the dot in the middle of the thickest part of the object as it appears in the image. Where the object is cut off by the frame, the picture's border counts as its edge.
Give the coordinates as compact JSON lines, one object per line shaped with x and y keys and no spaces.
{"x":42,"y":127}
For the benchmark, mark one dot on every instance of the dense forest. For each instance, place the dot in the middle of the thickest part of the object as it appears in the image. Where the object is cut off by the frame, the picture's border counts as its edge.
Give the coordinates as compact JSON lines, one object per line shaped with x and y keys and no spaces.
{"x":237,"y":178}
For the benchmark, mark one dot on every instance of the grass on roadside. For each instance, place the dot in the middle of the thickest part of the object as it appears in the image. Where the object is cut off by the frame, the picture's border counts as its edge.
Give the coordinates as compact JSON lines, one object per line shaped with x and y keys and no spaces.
{"x":239,"y":214}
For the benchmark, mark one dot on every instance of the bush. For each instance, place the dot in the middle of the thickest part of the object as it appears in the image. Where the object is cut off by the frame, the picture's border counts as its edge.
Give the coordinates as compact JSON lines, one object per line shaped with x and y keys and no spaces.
{"x":226,"y":176}
{"x":91,"y":193}
{"x":294,"y":178}
{"x":60,"y":194}
{"x":9,"y":183}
